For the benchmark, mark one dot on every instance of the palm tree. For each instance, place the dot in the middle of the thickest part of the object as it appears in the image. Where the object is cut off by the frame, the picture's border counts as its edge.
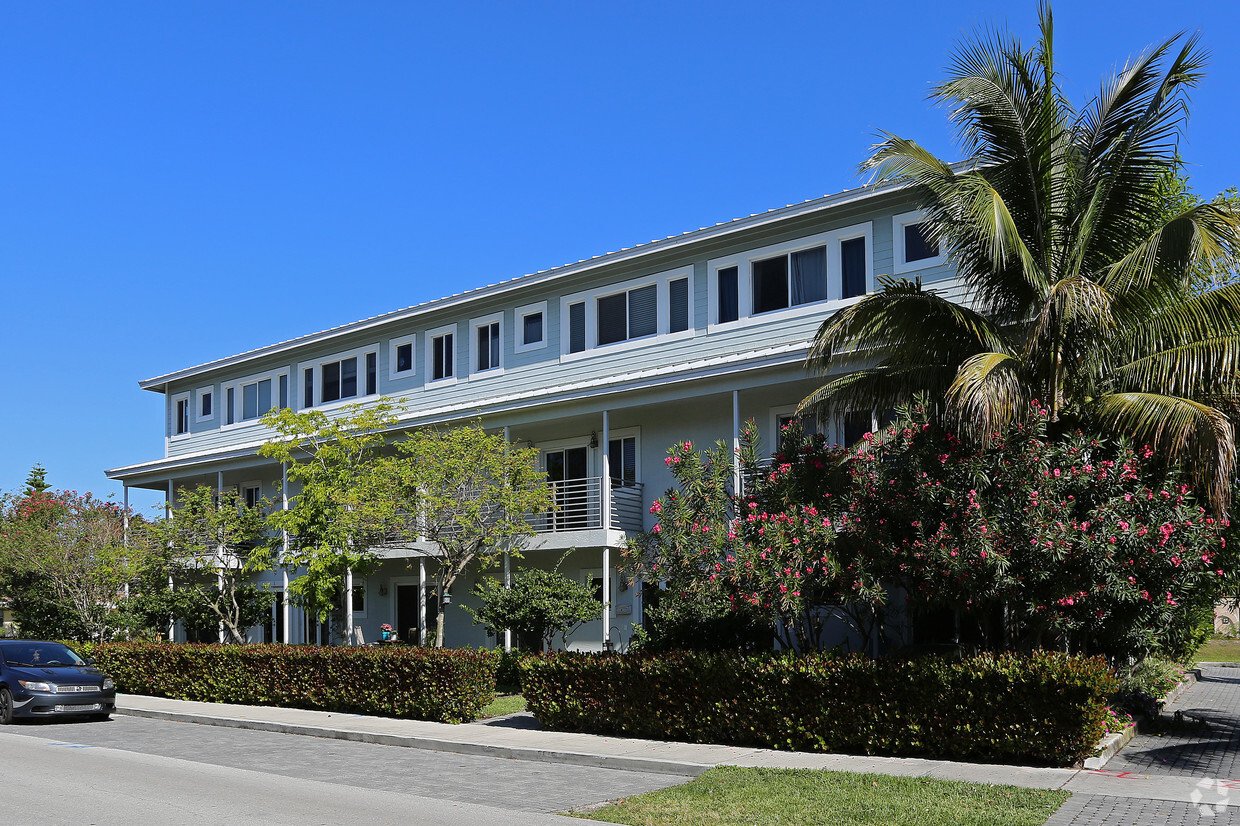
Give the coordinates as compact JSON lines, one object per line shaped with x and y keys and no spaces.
{"x":1078,"y":265}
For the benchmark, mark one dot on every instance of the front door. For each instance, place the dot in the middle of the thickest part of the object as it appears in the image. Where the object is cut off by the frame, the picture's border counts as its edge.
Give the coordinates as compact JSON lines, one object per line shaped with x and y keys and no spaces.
{"x":407,"y":613}
{"x":567,"y":471}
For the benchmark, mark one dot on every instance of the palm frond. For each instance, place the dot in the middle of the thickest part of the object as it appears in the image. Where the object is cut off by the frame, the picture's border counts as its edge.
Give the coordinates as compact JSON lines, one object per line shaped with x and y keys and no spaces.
{"x":905,"y":323}
{"x":877,"y":388}
{"x":1182,"y":430}
{"x":1194,"y":368}
{"x":987,"y":395}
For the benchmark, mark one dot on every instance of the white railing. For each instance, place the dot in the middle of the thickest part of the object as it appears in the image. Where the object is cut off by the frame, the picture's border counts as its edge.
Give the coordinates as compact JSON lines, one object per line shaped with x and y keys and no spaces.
{"x":579,"y":506}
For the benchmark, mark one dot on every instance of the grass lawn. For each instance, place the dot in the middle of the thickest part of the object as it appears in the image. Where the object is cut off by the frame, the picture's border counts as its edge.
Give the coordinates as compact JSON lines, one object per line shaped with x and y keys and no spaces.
{"x":504,"y":704}
{"x":1219,"y":651}
{"x":731,"y":795}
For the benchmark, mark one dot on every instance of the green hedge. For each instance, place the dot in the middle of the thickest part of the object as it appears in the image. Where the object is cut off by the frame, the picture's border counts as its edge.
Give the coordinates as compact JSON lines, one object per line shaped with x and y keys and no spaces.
{"x":1047,"y":708}
{"x":445,"y":685}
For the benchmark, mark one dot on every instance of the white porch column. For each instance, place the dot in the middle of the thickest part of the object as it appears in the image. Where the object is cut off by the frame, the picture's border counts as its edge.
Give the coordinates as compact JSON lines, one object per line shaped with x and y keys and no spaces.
{"x":283,"y":555}
{"x":606,"y":486}
{"x":348,"y":607}
{"x":167,"y":514}
{"x":736,"y":442}
{"x":422,"y":601}
{"x":507,"y":584}
{"x":507,"y":563}
{"x":125,"y":531}
{"x":606,"y":597}
{"x":219,"y":548}
{"x":606,"y":446}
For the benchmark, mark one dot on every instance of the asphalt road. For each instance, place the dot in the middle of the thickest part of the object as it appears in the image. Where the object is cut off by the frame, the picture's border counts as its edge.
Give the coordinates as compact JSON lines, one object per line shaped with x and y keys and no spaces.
{"x":138,"y":771}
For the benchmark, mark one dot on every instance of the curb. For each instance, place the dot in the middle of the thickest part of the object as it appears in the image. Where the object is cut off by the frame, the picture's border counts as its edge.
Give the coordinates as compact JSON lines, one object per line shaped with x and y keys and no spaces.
{"x":637,"y":764}
{"x":1110,"y":746}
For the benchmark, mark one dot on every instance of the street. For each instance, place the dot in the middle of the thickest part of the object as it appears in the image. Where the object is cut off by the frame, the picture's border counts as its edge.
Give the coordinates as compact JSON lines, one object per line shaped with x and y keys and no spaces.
{"x":139,"y":771}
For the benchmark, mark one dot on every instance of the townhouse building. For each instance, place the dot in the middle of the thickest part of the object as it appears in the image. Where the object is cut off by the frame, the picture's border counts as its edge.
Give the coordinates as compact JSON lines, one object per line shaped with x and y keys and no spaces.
{"x":601,"y":365}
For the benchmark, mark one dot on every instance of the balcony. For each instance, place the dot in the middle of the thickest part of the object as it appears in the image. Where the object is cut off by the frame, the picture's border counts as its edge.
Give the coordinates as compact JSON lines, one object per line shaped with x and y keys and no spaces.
{"x":579,"y":504}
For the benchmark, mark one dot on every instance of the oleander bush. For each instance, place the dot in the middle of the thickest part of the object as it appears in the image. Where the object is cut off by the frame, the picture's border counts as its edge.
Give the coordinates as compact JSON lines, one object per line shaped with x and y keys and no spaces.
{"x":1044,"y":708}
{"x":443,"y":685}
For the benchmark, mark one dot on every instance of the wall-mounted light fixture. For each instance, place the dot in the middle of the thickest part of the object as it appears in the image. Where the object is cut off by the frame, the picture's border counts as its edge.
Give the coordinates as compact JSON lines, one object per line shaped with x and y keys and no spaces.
{"x":593,"y":439}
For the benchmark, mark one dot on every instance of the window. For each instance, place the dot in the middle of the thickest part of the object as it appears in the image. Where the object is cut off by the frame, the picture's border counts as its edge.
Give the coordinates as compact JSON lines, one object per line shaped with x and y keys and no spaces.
{"x":488,"y":342}
{"x":629,"y":314}
{"x":783,"y":416}
{"x":678,"y":305}
{"x":531,"y":333}
{"x":593,"y":579}
{"x":441,"y":355}
{"x":912,"y":249}
{"x":249,"y":398}
{"x":341,"y":377}
{"x":791,"y":280}
{"x":791,"y":277}
{"x":252,"y":494}
{"x":180,"y":415}
{"x":401,"y":355}
{"x":622,"y":461}
{"x":576,"y":327}
{"x":204,"y":410}
{"x":856,"y":425}
{"x":359,"y":599}
{"x":728,"y":292}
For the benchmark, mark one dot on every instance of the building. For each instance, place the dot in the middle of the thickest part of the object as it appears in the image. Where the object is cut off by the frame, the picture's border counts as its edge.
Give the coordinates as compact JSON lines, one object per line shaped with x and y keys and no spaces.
{"x":600,"y":364}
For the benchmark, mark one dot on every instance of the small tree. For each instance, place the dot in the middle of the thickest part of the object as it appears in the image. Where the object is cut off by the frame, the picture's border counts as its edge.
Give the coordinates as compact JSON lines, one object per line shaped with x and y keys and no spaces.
{"x":538,"y":605}
{"x":36,"y":481}
{"x":210,"y":544}
{"x":69,"y":549}
{"x":342,"y":509}
{"x":470,"y":492}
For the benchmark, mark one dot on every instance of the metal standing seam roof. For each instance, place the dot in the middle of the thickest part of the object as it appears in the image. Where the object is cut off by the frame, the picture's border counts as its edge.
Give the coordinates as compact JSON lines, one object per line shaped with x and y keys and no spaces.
{"x":159,"y":383}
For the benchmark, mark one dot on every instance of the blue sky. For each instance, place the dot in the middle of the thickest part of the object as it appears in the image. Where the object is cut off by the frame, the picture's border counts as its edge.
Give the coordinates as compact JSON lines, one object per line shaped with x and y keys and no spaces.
{"x":183,"y":181}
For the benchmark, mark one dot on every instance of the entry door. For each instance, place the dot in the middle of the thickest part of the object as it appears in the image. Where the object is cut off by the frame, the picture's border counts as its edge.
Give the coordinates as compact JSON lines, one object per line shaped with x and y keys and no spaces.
{"x":407,"y":613}
{"x":567,"y":471}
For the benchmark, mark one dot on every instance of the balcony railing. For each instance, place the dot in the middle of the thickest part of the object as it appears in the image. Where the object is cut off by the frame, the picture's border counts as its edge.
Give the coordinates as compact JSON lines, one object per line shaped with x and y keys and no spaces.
{"x":579,"y":506}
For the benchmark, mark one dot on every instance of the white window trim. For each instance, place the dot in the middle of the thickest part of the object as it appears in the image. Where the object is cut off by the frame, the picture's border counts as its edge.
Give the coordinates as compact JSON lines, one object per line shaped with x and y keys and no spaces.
{"x":790,"y":410}
{"x":360,"y":353}
{"x":393,"y":345}
{"x":172,"y":416}
{"x":365,"y":598}
{"x":238,"y":399}
{"x":898,"y":264}
{"x":518,"y":328}
{"x":241,"y":488}
{"x":474,"y":324}
{"x":743,"y":261}
{"x":431,"y":335}
{"x":215,"y":404}
{"x":636,"y":434}
{"x":591,"y":297}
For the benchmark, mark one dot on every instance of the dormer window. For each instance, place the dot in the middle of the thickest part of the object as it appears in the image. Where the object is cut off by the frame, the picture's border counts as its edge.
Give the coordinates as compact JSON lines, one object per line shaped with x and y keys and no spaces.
{"x":341,"y":377}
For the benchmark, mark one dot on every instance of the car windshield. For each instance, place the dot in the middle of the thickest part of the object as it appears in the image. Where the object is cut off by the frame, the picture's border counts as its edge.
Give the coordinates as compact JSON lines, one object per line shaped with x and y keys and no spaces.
{"x":40,"y":655}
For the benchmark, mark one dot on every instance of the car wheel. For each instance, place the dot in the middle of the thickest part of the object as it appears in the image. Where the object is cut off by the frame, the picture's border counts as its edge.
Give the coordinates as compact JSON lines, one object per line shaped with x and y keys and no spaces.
{"x":6,"y":706}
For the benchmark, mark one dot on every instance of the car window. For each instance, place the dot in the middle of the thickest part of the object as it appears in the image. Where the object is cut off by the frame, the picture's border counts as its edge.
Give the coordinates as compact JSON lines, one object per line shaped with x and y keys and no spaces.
{"x":40,"y":655}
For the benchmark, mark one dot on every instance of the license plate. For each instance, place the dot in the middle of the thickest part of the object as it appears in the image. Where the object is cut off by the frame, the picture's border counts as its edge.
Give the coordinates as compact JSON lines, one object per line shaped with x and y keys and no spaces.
{"x":76,"y":708}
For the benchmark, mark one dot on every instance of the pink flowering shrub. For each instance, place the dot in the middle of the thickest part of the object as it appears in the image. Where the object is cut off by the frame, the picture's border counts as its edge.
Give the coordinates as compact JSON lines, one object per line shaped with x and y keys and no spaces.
{"x":1037,"y":541}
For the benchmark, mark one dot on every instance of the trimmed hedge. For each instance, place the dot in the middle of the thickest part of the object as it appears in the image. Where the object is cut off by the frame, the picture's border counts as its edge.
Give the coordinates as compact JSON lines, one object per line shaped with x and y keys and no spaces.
{"x":1047,"y":708}
{"x":444,"y":685}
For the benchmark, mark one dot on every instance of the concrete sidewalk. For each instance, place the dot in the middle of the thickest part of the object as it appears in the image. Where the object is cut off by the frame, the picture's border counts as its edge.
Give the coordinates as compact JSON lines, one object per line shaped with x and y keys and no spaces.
{"x":518,"y":738}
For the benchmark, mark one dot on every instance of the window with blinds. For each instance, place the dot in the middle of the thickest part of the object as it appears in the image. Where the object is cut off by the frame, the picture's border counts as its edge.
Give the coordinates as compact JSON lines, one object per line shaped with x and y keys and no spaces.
{"x":628,"y":315}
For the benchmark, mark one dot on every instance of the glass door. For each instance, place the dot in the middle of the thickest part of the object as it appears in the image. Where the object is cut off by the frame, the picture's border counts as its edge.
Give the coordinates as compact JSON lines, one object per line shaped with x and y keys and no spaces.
{"x":567,"y":473}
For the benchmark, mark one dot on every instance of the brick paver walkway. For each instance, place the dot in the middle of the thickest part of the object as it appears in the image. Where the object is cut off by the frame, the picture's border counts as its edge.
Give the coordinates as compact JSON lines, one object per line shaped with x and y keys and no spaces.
{"x":1205,"y":744}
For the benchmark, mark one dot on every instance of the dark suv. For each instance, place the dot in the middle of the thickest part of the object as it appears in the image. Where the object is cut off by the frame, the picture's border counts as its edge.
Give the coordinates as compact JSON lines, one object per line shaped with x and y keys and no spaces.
{"x":47,"y":679}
